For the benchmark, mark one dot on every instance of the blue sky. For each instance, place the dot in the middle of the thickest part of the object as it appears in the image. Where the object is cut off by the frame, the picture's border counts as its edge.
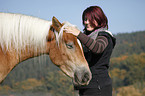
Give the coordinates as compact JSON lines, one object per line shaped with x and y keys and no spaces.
{"x":123,"y":15}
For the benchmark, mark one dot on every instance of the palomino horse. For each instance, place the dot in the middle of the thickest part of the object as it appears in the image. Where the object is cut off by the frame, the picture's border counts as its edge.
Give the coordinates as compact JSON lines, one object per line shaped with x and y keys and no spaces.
{"x":23,"y":37}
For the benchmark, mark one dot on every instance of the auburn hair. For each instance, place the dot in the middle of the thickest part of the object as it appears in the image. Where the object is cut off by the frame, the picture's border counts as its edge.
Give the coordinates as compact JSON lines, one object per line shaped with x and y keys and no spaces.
{"x":95,"y":13}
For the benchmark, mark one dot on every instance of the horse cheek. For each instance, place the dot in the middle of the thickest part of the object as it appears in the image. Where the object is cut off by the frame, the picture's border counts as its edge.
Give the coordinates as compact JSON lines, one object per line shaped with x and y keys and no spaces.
{"x":54,"y":54}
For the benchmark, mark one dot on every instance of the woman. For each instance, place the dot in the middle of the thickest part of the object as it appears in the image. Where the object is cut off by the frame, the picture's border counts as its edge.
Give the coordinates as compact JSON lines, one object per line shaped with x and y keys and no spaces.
{"x":98,"y":45}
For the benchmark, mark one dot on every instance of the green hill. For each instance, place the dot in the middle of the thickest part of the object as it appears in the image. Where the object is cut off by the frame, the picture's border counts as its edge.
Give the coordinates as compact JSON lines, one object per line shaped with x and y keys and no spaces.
{"x":129,"y":43}
{"x":40,"y":75}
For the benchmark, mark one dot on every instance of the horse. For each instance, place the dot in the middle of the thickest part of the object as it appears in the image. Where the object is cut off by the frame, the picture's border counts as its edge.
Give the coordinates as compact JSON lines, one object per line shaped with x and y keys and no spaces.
{"x":23,"y":37}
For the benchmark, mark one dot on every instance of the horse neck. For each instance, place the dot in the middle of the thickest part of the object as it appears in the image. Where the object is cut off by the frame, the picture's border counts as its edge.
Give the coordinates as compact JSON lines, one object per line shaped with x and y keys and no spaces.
{"x":23,"y":32}
{"x":31,"y":52}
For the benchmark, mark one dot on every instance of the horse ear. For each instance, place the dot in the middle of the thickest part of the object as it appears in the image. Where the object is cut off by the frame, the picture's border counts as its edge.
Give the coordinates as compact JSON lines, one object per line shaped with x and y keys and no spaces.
{"x":56,"y":24}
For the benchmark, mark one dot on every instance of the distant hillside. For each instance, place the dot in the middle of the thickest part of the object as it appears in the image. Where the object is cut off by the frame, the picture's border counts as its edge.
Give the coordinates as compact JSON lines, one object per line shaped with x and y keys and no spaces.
{"x":128,"y":64}
{"x":40,"y":75}
{"x":129,"y":43}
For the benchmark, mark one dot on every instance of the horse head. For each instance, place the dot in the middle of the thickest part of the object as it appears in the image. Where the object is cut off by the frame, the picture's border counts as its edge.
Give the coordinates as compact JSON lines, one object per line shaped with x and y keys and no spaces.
{"x":65,"y":51}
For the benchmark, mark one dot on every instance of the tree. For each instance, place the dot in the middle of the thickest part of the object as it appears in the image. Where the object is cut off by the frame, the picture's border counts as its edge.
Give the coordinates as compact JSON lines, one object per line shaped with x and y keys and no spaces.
{"x":58,"y":84}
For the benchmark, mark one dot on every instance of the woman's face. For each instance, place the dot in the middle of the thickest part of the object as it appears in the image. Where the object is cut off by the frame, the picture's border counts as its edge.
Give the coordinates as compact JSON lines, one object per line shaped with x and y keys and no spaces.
{"x":88,"y":25}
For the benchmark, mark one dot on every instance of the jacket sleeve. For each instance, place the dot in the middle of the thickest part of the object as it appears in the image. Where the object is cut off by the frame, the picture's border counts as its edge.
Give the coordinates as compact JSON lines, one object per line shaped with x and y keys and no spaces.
{"x":96,"y":46}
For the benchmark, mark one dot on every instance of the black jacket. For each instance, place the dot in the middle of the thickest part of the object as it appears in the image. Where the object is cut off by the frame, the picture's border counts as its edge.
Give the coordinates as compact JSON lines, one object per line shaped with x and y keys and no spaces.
{"x":99,"y":64}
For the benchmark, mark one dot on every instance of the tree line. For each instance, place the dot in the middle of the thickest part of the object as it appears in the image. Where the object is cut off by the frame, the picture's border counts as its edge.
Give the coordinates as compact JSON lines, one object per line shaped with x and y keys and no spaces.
{"x":39,"y":75}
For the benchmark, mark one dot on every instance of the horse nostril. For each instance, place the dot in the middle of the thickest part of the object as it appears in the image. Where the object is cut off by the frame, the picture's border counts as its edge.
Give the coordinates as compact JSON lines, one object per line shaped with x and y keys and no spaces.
{"x":85,"y":78}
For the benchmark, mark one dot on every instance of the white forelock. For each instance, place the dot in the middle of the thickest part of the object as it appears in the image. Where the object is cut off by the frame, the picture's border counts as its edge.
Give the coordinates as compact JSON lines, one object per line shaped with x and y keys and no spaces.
{"x":59,"y":36}
{"x":20,"y":31}
{"x":65,"y":24}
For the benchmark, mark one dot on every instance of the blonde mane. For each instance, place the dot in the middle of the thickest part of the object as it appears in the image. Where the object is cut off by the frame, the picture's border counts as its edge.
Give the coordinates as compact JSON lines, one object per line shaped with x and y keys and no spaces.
{"x":19,"y":31}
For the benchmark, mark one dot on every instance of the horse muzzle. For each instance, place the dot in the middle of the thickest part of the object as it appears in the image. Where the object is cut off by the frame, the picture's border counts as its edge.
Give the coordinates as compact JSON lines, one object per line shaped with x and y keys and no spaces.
{"x":82,"y":77}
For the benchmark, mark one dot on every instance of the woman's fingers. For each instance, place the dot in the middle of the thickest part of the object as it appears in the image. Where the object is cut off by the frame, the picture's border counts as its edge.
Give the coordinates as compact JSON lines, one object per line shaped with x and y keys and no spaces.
{"x":73,"y":30}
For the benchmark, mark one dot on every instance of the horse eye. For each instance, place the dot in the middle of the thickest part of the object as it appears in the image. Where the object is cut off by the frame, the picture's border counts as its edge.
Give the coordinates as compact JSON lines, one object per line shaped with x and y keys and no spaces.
{"x":69,"y":46}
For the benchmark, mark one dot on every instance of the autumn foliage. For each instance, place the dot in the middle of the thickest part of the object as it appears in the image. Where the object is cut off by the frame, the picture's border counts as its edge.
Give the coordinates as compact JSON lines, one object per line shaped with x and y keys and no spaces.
{"x":39,"y":77}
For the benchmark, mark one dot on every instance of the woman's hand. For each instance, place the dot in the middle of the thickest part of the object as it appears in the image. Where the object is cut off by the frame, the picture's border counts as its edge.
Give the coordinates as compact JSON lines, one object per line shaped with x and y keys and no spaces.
{"x":73,"y":30}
